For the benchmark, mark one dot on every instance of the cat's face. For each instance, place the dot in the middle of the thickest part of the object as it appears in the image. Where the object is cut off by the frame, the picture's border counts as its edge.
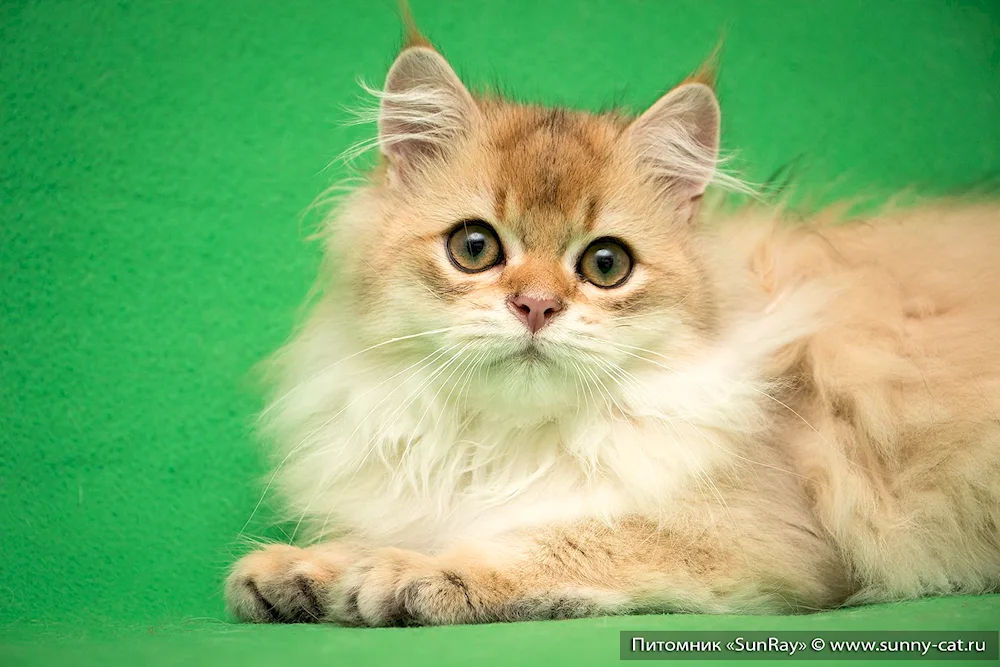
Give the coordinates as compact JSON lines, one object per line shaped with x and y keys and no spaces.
{"x":543,"y":247}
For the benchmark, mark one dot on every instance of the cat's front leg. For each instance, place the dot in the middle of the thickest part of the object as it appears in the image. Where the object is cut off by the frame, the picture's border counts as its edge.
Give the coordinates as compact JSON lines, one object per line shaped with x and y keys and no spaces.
{"x":590,"y":569}
{"x":396,"y":587}
{"x":286,"y":584}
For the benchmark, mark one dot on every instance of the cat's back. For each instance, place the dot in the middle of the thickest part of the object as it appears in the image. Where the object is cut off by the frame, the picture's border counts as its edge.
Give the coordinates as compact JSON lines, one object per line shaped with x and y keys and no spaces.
{"x":926,"y":277}
{"x":896,"y":392}
{"x":948,"y":252}
{"x":924,"y":283}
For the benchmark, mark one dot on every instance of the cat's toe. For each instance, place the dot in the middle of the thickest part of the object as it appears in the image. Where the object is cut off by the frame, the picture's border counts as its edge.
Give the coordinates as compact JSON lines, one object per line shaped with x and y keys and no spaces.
{"x":401,"y":588}
{"x":367,"y":595}
{"x":277,"y":585}
{"x":248,"y":604}
{"x":440,"y":597}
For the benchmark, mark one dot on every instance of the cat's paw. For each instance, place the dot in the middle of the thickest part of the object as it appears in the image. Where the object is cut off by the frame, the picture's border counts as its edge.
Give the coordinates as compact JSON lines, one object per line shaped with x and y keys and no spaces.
{"x":394,"y":587}
{"x":285,"y":584}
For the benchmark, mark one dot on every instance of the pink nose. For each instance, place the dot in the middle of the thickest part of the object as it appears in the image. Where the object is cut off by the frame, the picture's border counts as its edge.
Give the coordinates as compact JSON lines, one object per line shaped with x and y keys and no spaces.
{"x":535,"y":313}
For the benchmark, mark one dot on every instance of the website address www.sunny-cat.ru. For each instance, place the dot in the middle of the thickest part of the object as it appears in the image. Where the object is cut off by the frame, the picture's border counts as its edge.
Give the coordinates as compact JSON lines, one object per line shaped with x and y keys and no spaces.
{"x":946,"y":646}
{"x":805,"y":645}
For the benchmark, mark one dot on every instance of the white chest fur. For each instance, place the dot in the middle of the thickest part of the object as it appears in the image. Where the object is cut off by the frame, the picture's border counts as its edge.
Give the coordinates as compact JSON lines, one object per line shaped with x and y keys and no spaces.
{"x":404,"y":462}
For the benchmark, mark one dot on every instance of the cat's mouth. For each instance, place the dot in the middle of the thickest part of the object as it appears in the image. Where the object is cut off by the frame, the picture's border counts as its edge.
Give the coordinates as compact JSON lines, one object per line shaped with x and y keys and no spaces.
{"x":531,"y":353}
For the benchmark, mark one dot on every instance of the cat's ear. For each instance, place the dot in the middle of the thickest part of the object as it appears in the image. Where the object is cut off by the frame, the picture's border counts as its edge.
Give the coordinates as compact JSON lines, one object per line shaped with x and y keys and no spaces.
{"x":678,"y":139}
{"x":424,"y":107}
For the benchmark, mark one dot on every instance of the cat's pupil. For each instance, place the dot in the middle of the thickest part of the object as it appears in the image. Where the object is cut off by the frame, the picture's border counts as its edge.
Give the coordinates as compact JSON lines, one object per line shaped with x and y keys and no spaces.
{"x":475,"y":243}
{"x":605,"y":260}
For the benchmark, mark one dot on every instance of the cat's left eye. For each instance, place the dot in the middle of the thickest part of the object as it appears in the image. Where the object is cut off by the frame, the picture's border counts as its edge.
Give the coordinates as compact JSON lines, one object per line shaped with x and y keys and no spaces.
{"x":473,"y":247}
{"x":605,"y":263}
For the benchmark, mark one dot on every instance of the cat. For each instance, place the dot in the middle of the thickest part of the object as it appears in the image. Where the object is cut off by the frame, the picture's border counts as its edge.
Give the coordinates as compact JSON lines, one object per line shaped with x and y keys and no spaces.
{"x":545,"y":380}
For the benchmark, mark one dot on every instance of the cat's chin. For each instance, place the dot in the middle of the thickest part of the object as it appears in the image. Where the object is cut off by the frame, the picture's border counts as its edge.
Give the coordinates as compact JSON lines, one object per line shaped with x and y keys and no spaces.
{"x":528,"y":385}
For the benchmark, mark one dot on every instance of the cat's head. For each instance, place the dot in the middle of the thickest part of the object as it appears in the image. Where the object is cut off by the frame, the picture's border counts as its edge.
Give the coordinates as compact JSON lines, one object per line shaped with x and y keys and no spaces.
{"x":544,"y":249}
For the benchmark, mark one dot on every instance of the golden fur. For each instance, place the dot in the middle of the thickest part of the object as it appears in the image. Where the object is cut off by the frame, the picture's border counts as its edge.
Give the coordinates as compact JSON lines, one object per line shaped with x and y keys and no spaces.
{"x":768,"y":417}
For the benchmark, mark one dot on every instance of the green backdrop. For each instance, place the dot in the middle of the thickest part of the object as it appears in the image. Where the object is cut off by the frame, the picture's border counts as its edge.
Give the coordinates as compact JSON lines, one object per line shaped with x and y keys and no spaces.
{"x":155,"y":162}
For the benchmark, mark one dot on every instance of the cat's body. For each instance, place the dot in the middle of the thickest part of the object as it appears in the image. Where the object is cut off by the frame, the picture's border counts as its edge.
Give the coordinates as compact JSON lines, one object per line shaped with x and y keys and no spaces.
{"x":759,"y":417}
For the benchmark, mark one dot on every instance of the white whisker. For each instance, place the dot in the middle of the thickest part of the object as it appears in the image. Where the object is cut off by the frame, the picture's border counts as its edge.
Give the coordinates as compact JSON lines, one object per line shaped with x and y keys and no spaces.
{"x":333,"y":365}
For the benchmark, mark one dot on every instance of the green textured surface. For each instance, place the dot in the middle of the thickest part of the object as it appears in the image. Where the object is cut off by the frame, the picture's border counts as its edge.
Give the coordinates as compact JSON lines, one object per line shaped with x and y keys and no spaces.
{"x":155,"y":159}
{"x":583,"y":643}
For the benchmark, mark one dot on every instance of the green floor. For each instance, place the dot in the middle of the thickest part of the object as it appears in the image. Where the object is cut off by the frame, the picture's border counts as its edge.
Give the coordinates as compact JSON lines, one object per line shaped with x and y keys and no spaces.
{"x":155,"y":161}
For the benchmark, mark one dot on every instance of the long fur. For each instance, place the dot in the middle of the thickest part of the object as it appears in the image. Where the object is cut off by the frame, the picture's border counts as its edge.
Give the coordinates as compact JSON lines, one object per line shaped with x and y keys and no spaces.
{"x":766,"y":417}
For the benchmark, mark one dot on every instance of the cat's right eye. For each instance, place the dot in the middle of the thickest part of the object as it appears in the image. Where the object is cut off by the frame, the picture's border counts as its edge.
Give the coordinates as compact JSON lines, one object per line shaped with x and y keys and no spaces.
{"x":474,"y":247}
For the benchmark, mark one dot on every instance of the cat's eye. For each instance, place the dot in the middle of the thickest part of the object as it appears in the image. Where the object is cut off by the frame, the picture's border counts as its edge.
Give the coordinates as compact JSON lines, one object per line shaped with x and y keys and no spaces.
{"x":473,"y":246}
{"x":606,"y":263}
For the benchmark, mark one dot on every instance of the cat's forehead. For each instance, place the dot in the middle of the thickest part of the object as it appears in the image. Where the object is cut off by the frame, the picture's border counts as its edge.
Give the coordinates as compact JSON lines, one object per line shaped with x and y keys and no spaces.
{"x":550,"y":170}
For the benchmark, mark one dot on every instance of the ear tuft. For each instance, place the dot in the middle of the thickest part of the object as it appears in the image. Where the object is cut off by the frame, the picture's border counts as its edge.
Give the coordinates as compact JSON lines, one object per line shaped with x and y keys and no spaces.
{"x":411,"y":33}
{"x":708,"y":72}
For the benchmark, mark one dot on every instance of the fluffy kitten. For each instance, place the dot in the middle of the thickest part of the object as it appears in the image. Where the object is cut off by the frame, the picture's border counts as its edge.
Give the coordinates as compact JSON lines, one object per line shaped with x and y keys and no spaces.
{"x":535,"y":388}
